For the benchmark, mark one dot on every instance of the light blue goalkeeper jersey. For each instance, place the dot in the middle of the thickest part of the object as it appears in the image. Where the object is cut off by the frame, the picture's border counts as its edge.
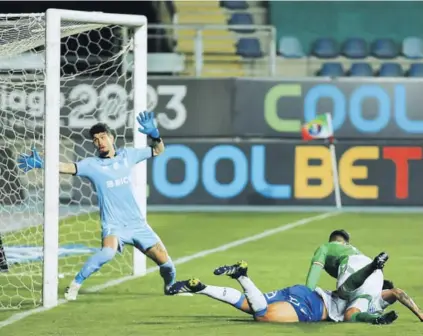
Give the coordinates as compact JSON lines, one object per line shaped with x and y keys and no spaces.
{"x":111,"y":178}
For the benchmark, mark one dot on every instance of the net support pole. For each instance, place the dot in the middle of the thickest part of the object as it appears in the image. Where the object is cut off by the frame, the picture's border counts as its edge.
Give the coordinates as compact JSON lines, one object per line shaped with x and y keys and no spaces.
{"x":51,"y":160}
{"x":140,"y":140}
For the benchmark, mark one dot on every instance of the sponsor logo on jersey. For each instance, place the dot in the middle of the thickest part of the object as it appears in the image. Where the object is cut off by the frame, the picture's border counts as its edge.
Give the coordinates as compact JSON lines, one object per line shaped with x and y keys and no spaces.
{"x":118,"y":182}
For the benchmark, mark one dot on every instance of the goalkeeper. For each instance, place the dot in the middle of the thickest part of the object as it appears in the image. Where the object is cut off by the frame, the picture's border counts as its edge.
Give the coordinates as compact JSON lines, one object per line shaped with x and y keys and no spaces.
{"x":291,"y":304}
{"x":121,"y":219}
{"x":359,"y":279}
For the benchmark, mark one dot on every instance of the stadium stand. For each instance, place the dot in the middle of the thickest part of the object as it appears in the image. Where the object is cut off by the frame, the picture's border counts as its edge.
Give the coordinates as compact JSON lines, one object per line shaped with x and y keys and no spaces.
{"x":344,"y":32}
{"x":227,"y":51}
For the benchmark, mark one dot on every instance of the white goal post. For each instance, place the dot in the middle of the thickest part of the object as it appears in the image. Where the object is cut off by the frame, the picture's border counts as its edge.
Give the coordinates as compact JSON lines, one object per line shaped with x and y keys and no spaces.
{"x":54,"y":19}
{"x":61,"y":72}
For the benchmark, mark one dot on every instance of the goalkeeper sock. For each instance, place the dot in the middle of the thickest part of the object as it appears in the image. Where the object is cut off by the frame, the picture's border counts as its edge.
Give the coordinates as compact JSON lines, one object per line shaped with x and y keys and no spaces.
{"x":254,"y":296}
{"x":228,"y":295}
{"x":355,"y":281}
{"x":94,"y":263}
{"x":168,"y":272}
{"x":364,"y":317}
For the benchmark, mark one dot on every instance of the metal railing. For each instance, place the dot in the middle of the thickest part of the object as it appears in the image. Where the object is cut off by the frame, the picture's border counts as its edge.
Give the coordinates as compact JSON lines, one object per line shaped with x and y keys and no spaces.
{"x":206,"y":38}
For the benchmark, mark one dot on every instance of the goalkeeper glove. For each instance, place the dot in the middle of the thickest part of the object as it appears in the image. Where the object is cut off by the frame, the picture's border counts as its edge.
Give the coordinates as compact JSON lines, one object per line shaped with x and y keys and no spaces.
{"x":27,"y":162}
{"x":148,"y":127}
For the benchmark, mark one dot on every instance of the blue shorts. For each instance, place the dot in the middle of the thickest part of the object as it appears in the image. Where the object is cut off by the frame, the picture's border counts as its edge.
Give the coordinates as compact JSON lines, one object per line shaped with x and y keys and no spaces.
{"x":307,"y":303}
{"x":142,"y":237}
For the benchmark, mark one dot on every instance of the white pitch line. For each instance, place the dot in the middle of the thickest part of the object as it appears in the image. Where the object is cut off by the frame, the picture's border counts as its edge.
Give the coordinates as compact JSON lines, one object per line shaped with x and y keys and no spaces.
{"x":19,"y":316}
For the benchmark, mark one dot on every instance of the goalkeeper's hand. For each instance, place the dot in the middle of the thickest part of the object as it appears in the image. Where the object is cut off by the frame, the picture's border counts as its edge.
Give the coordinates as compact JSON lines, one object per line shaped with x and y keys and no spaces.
{"x":26,"y":162}
{"x":148,"y":127}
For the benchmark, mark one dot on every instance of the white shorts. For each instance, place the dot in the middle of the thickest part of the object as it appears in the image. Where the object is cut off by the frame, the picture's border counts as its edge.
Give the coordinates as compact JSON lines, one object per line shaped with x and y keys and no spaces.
{"x":371,"y":288}
{"x":334,"y":305}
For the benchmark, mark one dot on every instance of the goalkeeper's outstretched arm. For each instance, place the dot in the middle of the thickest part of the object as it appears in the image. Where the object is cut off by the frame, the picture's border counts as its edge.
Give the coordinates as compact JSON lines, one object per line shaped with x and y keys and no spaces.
{"x":67,"y":168}
{"x":27,"y":162}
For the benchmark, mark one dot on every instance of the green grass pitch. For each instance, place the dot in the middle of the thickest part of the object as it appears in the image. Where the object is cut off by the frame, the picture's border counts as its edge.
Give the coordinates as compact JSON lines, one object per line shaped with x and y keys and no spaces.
{"x":138,"y":307}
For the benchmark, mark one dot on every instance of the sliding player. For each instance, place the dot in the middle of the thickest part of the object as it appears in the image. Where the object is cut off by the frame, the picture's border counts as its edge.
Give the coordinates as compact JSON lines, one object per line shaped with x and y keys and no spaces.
{"x":359,"y":279}
{"x":292,"y":304}
{"x":121,"y":219}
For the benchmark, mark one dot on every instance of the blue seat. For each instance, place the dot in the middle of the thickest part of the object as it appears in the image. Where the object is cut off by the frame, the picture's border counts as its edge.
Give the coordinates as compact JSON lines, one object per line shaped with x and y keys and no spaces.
{"x":248,"y":47}
{"x":355,"y":48}
{"x":325,"y":48}
{"x":391,"y":70}
{"x":290,"y":47}
{"x":331,"y":69}
{"x":416,"y":70}
{"x":241,"y":19}
{"x":384,"y":49}
{"x":234,"y":4}
{"x":361,"y":69}
{"x":412,"y":47}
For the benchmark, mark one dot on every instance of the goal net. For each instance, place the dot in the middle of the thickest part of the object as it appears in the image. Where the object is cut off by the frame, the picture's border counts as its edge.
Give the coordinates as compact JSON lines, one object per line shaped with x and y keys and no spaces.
{"x":96,"y":85}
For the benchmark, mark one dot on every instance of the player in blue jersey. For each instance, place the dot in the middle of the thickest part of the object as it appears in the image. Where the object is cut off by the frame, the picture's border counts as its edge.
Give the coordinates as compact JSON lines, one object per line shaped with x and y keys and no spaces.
{"x":291,"y":304}
{"x":121,"y":219}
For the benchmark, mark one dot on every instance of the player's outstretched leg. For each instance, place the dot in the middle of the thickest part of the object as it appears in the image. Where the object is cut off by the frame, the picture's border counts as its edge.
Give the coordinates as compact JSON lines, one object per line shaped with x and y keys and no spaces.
{"x":254,"y":296}
{"x":358,"y":278}
{"x":92,"y":265}
{"x":224,"y":294}
{"x":234,"y":271}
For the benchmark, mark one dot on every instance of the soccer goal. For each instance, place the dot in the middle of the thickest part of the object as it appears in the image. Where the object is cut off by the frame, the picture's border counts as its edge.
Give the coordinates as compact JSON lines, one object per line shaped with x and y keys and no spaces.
{"x":61,"y":72}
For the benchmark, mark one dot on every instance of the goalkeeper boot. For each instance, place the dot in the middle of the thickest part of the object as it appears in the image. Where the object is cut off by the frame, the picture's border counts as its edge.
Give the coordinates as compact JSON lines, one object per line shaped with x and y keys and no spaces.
{"x":380,"y":260}
{"x":387,"y":318}
{"x":185,"y":287}
{"x":71,"y":292}
{"x":234,"y":271}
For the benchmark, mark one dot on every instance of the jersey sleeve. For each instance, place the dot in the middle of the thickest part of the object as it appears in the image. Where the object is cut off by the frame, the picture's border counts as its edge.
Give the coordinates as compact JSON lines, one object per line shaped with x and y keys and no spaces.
{"x":317,"y":263}
{"x":83,"y":168}
{"x":136,"y":155}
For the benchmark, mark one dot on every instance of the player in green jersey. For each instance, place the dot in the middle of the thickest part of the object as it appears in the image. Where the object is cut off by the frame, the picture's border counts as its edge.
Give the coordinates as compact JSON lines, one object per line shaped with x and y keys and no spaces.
{"x":359,"y":279}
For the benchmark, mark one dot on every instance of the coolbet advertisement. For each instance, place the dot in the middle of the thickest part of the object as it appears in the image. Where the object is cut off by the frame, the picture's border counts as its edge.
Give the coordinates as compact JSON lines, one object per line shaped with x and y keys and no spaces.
{"x":251,"y":173}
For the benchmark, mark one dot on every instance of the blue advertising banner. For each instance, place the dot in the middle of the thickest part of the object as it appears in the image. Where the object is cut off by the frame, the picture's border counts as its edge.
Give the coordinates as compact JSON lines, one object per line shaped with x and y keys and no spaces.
{"x":285,"y":173}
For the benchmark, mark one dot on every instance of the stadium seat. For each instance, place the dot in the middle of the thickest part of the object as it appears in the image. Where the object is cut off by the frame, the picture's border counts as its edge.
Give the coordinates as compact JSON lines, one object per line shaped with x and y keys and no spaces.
{"x":390,"y":70}
{"x":412,"y":47}
{"x":241,"y":19}
{"x":361,"y":69}
{"x":416,"y":70}
{"x":331,"y":69}
{"x":234,"y":4}
{"x":384,"y":49}
{"x":248,"y":47}
{"x":355,"y":48}
{"x":290,"y":47}
{"x":325,"y":48}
